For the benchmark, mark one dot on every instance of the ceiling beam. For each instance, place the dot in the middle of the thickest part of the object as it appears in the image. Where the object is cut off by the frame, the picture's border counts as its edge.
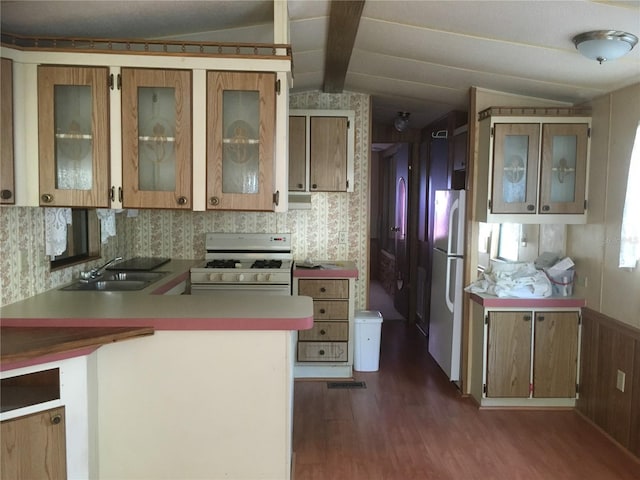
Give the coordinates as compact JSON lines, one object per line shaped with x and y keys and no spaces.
{"x":344,"y":19}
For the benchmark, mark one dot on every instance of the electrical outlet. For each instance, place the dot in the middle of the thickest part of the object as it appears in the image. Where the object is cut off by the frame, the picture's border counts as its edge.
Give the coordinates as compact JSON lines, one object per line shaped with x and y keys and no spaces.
{"x":620,"y":380}
{"x":342,"y":238}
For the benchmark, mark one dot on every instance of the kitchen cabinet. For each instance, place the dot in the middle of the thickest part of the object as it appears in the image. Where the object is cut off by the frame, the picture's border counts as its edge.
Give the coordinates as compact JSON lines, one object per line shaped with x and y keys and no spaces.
{"x":33,"y":446}
{"x":73,"y":136}
{"x":156,"y":138}
{"x":326,"y":350}
{"x":527,"y":357}
{"x":321,"y":150}
{"x":240,"y":141}
{"x":7,"y":179}
{"x":533,"y":165}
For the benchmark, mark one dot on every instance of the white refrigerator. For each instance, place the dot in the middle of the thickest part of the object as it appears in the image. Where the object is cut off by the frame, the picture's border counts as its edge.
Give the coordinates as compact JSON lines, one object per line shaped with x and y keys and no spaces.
{"x":445,"y":319}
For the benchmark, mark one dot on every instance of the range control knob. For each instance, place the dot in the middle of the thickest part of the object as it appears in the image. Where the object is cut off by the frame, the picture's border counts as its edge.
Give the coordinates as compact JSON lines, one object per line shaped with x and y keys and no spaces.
{"x":240,"y":277}
{"x":261,"y":277}
{"x":227,"y":277}
{"x":214,"y":277}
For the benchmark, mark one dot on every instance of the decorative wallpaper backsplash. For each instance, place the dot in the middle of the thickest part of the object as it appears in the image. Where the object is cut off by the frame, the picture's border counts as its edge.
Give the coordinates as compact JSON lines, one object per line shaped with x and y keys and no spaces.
{"x":177,"y":234}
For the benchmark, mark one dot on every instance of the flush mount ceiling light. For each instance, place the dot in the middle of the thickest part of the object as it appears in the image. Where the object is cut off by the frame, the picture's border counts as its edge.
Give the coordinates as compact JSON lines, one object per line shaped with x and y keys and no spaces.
{"x":401,"y":122}
{"x":603,"y":45}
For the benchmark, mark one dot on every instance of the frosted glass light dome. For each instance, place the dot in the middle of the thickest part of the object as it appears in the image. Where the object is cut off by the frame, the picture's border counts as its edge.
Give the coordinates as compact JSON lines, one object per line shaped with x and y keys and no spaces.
{"x":603,"y":45}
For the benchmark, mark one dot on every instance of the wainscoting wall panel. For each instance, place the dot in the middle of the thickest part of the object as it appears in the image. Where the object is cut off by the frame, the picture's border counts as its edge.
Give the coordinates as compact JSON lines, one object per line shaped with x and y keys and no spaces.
{"x":609,"y":347}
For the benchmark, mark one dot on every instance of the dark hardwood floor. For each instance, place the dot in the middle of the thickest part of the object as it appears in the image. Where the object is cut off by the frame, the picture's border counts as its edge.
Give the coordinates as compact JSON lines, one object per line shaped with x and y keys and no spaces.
{"x":411,"y":423}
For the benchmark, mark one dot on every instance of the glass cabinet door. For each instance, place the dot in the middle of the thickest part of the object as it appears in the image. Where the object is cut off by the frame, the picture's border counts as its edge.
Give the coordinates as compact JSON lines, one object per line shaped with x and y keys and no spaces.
{"x":240,"y":140}
{"x":156,"y":138}
{"x":515,"y":168}
{"x":564,"y":168}
{"x":73,"y":123}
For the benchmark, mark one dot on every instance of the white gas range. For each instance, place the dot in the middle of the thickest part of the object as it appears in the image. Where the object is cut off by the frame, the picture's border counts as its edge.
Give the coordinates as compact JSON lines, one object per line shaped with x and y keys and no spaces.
{"x":251,"y":262}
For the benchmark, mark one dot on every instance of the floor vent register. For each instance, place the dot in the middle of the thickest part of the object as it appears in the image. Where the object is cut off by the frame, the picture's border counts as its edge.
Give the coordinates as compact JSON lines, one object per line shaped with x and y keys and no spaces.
{"x":346,"y":385}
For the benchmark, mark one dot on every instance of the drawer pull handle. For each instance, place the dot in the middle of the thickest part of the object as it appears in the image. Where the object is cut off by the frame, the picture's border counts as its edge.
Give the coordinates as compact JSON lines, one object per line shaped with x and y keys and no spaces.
{"x":322,"y":289}
{"x":323,"y":332}
{"x":541,"y":318}
{"x":526,"y":318}
{"x":56,"y":419}
{"x":321,"y":352}
{"x":322,"y":310}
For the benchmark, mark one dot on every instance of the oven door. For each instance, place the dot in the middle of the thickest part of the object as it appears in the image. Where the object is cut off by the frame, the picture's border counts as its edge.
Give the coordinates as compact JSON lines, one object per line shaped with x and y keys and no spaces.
{"x":204,"y":288}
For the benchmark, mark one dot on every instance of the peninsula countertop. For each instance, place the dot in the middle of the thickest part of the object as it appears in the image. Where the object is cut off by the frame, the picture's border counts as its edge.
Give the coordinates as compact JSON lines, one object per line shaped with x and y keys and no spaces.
{"x":151,"y":308}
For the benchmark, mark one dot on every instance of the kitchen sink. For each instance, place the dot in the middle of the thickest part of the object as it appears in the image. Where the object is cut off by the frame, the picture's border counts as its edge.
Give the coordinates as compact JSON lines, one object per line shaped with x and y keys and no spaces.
{"x":117,"y":282}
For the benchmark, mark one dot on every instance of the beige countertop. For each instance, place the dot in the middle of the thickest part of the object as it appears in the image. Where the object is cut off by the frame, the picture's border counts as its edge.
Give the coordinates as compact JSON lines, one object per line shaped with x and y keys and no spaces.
{"x":150,"y":308}
{"x":491,"y":301}
{"x":326,"y":269}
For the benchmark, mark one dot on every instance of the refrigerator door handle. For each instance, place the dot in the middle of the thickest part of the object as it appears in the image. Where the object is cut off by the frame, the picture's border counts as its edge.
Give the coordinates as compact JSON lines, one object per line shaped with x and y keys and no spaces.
{"x":447,"y":289}
{"x":452,"y":213}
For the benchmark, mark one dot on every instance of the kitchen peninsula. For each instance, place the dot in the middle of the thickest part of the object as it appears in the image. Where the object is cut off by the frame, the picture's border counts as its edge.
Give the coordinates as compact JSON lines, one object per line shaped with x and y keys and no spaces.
{"x":211,"y":388}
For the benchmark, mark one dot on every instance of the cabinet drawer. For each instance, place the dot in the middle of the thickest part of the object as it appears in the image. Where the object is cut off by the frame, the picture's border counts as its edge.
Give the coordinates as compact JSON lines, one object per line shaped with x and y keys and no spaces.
{"x":331,"y":310}
{"x":322,"y":351}
{"x":324,"y":288}
{"x":326,"y":331}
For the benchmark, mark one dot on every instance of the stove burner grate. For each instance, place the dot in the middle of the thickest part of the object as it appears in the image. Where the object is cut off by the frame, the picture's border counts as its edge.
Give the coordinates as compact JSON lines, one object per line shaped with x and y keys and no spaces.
{"x":267,"y":264}
{"x":222,"y":263}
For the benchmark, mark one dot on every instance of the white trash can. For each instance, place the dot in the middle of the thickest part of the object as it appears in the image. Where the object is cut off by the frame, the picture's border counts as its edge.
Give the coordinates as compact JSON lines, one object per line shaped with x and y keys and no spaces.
{"x":368,"y":326}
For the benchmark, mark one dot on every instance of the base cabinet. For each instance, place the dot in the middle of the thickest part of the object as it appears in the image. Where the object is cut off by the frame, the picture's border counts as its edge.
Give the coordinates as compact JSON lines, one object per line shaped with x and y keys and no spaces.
{"x":528,"y":357}
{"x":33,"y":446}
{"x":326,"y":350}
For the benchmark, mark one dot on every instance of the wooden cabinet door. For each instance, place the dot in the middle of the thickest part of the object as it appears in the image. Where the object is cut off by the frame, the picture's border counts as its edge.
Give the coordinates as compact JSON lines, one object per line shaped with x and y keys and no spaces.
{"x":328,"y":154}
{"x":297,"y":153}
{"x":33,"y":446}
{"x":509,"y":354}
{"x":515,"y":167}
{"x":564,"y":168}
{"x":7,"y":179}
{"x":156,"y":138}
{"x":241,"y":117}
{"x":555,"y":355}
{"x":73,"y":136}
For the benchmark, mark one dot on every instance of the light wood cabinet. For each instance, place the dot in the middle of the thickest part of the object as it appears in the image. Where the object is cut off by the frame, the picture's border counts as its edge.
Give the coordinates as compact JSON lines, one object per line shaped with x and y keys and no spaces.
{"x":530,"y":357}
{"x":321,"y":149}
{"x":7,"y":178}
{"x":73,"y":136}
{"x":533,"y":165}
{"x":33,"y":446}
{"x":240,"y":141}
{"x":156,"y":138}
{"x":326,"y":350}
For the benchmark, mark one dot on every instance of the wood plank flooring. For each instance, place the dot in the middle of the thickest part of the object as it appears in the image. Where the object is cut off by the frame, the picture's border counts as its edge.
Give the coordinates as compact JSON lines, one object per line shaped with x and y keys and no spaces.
{"x":410,"y":423}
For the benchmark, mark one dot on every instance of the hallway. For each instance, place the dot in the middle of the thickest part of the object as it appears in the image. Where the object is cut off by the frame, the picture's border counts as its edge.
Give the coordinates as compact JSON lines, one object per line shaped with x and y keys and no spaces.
{"x":410,"y":423}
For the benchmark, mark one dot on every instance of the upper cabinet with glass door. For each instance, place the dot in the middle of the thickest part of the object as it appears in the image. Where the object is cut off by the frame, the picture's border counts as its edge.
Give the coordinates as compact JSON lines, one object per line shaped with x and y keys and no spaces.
{"x":533,"y":165}
{"x":240,"y":141}
{"x":73,"y":124}
{"x":156,"y":138}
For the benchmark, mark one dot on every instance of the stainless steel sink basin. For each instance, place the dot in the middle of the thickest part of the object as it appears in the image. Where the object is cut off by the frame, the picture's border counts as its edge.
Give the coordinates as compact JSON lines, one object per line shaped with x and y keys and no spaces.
{"x":117,"y":282}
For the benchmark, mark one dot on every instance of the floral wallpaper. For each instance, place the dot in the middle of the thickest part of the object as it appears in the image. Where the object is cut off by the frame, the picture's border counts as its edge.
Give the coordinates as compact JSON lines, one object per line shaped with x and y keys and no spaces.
{"x":315,"y":232}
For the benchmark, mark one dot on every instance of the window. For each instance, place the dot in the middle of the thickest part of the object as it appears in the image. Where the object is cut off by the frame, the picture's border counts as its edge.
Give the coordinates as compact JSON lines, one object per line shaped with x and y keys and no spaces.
{"x":509,"y":241}
{"x":83,"y":239}
{"x":630,"y":231}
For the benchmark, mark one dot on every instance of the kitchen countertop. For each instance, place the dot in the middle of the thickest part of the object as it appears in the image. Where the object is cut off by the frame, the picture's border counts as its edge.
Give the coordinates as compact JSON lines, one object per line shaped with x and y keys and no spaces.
{"x":492,"y":301}
{"x":150,"y":308}
{"x":327,"y":269}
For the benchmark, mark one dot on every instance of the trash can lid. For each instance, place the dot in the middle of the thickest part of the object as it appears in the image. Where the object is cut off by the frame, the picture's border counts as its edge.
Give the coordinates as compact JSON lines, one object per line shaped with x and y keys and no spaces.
{"x":368,"y":316}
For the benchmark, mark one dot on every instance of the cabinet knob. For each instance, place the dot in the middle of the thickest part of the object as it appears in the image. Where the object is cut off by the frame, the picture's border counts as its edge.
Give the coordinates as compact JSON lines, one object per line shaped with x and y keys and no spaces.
{"x":531,"y":207}
{"x":6,"y":194}
{"x":300,"y":185}
{"x":526,"y":318}
{"x":315,"y":185}
{"x":322,"y":289}
{"x":321,"y":352}
{"x":56,"y":419}
{"x":182,"y":200}
{"x":323,"y":332}
{"x":46,"y":198}
{"x":322,"y":310}
{"x":541,"y":318}
{"x":214,"y":201}
{"x":546,"y":208}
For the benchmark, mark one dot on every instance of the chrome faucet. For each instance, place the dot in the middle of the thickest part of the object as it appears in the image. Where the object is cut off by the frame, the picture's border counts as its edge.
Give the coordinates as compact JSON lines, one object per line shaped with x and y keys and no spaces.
{"x":97,"y":272}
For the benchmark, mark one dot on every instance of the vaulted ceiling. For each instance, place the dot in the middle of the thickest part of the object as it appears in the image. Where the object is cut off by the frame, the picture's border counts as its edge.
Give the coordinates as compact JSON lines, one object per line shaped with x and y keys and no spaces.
{"x":416,"y":56}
